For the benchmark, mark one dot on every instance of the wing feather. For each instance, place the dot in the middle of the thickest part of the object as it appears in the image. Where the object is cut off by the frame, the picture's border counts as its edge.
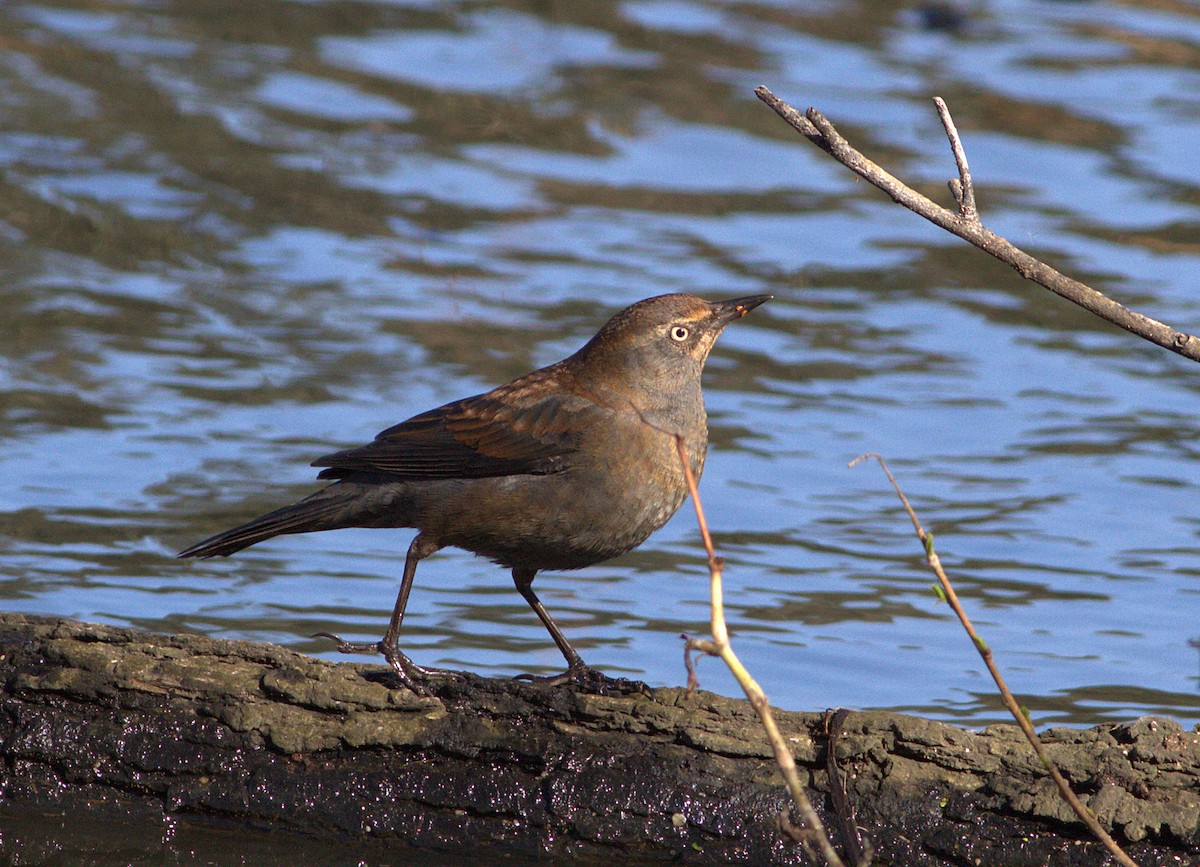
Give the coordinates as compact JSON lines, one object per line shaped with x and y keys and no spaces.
{"x":474,"y":438}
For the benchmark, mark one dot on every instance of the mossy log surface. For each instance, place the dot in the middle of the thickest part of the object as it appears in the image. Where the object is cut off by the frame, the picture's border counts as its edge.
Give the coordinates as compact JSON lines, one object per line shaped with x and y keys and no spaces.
{"x":142,"y":744}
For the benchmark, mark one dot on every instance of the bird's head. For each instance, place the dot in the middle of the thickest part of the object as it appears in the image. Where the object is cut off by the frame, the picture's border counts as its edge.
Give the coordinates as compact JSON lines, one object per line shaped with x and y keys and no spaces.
{"x":661,"y":342}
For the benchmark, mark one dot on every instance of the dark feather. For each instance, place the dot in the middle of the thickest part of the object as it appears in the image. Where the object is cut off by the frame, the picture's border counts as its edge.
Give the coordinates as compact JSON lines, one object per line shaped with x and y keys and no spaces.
{"x":317,"y":512}
{"x":473,"y":438}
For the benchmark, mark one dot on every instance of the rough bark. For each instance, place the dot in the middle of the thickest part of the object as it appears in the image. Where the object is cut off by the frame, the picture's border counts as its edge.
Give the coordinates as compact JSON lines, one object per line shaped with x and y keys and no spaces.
{"x":114,"y":733}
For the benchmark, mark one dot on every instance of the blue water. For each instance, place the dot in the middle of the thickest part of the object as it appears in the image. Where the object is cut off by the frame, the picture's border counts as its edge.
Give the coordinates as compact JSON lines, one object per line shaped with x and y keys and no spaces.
{"x":228,"y":246}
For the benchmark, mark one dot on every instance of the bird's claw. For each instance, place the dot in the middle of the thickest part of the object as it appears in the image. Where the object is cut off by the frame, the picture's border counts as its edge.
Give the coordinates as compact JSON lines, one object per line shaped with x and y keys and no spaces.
{"x":405,"y":669}
{"x":345,"y":646}
{"x":589,"y":680}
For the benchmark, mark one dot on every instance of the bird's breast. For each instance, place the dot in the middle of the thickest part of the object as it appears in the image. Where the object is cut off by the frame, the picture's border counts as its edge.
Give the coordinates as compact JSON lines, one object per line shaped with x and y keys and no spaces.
{"x":618,"y":487}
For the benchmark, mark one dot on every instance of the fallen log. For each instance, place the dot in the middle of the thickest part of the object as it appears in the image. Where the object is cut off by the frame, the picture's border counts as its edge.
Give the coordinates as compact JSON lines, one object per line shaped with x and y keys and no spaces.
{"x":115,"y":740}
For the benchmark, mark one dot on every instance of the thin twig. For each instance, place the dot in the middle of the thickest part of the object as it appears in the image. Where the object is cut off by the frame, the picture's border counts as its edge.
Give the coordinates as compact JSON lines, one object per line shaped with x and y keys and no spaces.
{"x":857,"y":849}
{"x":964,"y":190}
{"x":721,"y":647}
{"x":817,"y":129}
{"x":1083,"y":812}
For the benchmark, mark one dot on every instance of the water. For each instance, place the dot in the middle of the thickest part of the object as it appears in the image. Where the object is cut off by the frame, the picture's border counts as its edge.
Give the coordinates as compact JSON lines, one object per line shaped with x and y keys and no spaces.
{"x":233,"y":239}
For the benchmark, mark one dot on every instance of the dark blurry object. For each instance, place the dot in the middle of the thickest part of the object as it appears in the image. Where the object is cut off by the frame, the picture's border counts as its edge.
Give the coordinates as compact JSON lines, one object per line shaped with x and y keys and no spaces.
{"x":941,"y":16}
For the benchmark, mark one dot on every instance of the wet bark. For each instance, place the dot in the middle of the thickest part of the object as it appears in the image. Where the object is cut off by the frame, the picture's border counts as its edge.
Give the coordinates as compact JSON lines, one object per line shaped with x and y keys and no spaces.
{"x":156,"y":741}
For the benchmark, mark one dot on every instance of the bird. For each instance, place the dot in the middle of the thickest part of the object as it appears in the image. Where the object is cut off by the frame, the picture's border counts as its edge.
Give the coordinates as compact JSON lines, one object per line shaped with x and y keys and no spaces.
{"x":561,"y":468}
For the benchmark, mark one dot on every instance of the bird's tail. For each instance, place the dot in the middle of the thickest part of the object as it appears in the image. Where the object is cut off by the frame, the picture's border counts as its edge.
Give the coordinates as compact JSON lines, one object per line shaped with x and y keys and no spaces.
{"x":328,"y":509}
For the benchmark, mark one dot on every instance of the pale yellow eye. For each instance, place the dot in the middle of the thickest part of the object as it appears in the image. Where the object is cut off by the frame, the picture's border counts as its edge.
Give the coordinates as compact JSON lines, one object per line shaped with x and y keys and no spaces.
{"x":679,"y":333}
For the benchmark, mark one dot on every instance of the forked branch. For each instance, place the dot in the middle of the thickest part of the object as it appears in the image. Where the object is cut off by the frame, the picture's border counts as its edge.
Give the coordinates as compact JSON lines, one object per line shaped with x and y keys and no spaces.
{"x":966,"y":224}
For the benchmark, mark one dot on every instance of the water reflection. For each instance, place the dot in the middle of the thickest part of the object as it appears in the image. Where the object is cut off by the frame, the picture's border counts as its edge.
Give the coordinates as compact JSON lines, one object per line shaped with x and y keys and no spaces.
{"x":233,"y":240}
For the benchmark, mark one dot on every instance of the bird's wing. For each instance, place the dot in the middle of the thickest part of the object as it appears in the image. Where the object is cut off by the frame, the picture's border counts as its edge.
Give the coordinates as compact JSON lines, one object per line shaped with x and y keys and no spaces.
{"x":469,"y":439}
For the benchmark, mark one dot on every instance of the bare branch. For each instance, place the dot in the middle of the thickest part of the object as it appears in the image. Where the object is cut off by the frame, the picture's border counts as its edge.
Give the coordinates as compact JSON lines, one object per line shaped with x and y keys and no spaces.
{"x":935,"y":563}
{"x":964,"y":190}
{"x":814,"y":830}
{"x":966,"y":225}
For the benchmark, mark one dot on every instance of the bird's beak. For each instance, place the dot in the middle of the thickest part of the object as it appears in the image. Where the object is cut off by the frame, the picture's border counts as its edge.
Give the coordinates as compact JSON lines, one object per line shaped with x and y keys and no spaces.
{"x":725,"y":312}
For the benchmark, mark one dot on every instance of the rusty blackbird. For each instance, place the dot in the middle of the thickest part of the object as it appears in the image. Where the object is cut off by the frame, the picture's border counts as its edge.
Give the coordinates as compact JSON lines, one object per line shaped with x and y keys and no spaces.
{"x":561,"y":468}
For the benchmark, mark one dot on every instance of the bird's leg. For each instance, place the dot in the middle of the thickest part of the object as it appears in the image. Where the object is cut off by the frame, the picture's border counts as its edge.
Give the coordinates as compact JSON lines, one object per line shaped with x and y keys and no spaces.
{"x":407,"y":670}
{"x":577,"y":671}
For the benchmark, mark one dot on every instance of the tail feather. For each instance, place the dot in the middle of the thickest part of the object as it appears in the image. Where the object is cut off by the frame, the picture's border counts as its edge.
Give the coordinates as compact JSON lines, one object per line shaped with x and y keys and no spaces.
{"x":321,"y":511}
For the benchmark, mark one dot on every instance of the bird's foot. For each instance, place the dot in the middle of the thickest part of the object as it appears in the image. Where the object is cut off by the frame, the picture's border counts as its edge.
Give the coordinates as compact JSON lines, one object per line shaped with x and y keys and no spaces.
{"x":406,"y":670}
{"x":345,"y":646}
{"x":589,"y":680}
